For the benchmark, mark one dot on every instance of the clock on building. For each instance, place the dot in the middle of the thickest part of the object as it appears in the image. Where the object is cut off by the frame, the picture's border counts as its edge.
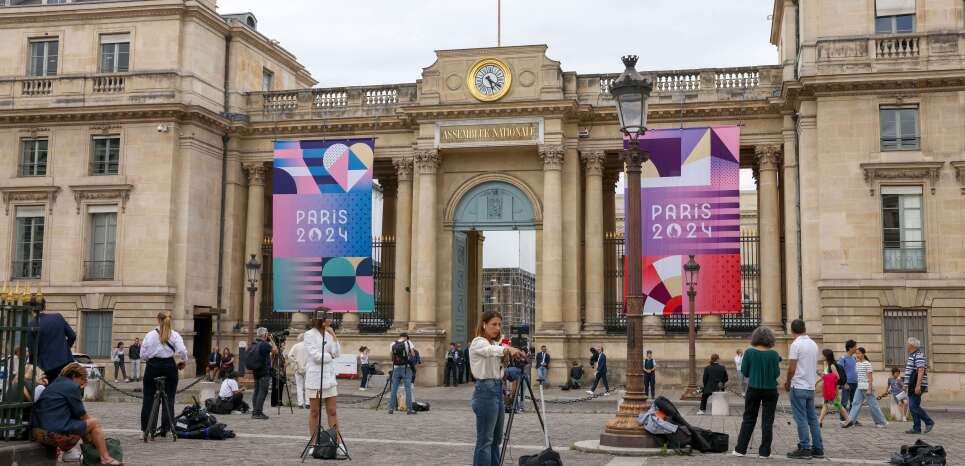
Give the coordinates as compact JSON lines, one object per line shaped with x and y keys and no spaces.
{"x":489,"y":79}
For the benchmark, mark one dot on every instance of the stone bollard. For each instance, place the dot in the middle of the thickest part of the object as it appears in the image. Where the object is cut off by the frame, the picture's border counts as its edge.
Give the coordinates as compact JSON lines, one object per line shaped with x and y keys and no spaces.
{"x":94,"y":391}
{"x":719,"y":406}
{"x":207,"y":390}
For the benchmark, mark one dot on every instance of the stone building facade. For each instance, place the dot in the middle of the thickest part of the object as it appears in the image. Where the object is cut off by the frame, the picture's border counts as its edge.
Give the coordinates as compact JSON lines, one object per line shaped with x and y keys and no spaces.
{"x":855,"y":138}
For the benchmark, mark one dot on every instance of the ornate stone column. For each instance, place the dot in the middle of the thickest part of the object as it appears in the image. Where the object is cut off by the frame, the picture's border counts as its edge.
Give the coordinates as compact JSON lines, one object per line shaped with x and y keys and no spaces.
{"x":768,"y":162}
{"x":427,"y":162}
{"x":255,"y":222}
{"x":572,"y":235}
{"x":403,"y":241}
{"x":413,"y":242}
{"x":593,"y":240}
{"x":609,"y":201}
{"x":791,"y":220}
{"x":551,"y":274}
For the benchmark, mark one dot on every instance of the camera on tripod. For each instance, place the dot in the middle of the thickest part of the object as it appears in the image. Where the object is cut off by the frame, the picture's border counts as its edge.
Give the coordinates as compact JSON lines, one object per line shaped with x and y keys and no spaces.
{"x":280,"y":336}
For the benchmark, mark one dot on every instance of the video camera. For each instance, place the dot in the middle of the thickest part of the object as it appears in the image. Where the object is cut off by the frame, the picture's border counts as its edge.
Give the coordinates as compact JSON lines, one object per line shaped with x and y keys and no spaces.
{"x":280,"y":336}
{"x":519,"y":341}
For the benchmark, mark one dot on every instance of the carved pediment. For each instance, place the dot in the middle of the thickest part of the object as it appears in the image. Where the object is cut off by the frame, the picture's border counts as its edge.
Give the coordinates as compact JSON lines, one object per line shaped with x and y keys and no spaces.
{"x":46,"y":194}
{"x":927,"y":172}
{"x":87,"y":193}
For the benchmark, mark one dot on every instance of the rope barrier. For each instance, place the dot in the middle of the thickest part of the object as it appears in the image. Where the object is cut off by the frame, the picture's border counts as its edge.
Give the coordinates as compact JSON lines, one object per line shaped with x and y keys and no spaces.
{"x":578,"y":400}
{"x":140,"y":397}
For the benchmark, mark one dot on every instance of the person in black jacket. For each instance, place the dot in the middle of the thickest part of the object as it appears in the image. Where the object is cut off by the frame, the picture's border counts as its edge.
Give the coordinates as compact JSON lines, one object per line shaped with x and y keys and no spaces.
{"x":715,"y":376}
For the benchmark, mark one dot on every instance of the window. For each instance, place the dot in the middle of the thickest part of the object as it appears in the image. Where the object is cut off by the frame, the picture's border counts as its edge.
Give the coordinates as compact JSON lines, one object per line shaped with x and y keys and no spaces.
{"x":899,"y":128}
{"x":97,"y":333}
{"x":106,"y":157}
{"x":899,"y":325}
{"x":115,"y":53}
{"x":29,"y":245}
{"x":904,"y":244}
{"x":33,"y":157}
{"x":103,"y":228}
{"x":898,"y":24}
{"x":43,"y":57}
{"x":267,"y":80}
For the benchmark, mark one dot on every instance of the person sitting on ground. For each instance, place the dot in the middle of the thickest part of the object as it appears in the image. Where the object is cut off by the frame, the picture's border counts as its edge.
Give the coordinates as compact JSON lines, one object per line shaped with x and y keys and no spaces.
{"x":231,"y":395}
{"x":576,"y":375}
{"x":59,"y":418}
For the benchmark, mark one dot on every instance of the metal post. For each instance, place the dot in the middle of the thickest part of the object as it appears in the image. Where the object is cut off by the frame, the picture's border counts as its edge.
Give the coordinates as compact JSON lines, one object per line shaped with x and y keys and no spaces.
{"x":690,"y":393}
{"x":252,"y":289}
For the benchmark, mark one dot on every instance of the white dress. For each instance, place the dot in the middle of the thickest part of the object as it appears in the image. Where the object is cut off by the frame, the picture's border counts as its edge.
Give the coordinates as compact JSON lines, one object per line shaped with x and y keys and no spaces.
{"x":313,"y":371}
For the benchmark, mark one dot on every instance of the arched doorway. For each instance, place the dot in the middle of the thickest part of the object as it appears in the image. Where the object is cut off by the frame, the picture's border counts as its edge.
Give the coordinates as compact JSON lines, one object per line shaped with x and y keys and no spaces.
{"x":492,"y":203}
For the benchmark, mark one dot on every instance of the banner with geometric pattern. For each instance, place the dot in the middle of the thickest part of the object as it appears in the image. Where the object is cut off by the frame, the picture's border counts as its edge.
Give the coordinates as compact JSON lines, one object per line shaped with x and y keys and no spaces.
{"x":691,"y":205}
{"x":322,"y":225}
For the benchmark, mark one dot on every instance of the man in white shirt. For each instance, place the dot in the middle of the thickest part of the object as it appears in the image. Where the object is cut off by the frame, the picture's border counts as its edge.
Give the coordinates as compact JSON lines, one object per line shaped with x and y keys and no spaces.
{"x":298,"y":361}
{"x":231,"y":394}
{"x":741,"y":380}
{"x":802,"y":376}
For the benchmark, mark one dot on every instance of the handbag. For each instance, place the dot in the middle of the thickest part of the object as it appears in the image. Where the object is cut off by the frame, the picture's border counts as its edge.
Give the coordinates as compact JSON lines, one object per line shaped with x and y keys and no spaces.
{"x":92,"y":456}
{"x":326,"y":448}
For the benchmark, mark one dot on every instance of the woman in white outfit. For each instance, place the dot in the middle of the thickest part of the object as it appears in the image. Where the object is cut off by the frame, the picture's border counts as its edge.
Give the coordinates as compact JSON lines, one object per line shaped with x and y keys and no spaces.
{"x":321,"y":384}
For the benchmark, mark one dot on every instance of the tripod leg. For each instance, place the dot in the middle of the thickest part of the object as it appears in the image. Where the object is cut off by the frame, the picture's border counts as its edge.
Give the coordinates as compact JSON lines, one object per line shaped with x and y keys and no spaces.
{"x":169,"y":408}
{"x":381,"y":395}
{"x":309,"y":445}
{"x":153,"y":418}
{"x":291,"y":403}
{"x":509,"y":424}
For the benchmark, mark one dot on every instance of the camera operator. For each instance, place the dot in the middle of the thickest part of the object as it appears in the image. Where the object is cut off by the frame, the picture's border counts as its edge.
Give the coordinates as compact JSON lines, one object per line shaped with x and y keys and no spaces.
{"x":320,"y":382}
{"x":258,"y":360}
{"x":486,"y":358}
{"x":159,"y":348}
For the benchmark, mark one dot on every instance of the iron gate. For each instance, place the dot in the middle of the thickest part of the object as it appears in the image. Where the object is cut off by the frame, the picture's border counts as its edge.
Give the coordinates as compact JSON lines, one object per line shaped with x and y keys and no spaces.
{"x":16,"y":322}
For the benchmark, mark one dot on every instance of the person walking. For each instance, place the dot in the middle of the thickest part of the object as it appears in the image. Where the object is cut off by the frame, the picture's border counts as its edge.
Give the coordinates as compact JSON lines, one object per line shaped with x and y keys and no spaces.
{"x":542,"y":365}
{"x":134,"y":354}
{"x":321,"y":386}
{"x":848,"y":362}
{"x":53,"y":341}
{"x":600,"y":373}
{"x":486,"y":360}
{"x":258,"y":361}
{"x":161,"y":345}
{"x":414,"y":362}
{"x":832,"y":396}
{"x":741,"y":380}
{"x":402,"y":353}
{"x":649,"y":375}
{"x":298,"y":361}
{"x":761,"y":366}
{"x":802,"y":377}
{"x":865,"y":392}
{"x":715,"y":377}
{"x":365,"y":367}
{"x":899,"y":397}
{"x":916,"y":381}
{"x":450,"y":378}
{"x":117,"y":357}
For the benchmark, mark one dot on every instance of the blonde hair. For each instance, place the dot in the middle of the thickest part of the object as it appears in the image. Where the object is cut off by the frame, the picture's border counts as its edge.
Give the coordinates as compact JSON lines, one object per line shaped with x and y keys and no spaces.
{"x":72,"y":371}
{"x":165,"y":329}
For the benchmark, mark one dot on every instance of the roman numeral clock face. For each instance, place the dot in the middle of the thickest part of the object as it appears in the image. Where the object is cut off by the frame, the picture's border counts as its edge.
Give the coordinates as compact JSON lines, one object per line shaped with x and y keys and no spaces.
{"x":489,"y":80}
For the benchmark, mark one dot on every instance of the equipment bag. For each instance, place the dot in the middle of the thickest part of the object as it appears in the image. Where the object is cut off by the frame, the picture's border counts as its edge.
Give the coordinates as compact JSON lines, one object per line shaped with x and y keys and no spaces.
{"x":400,"y":353}
{"x":92,"y":456}
{"x":218,"y":406}
{"x":920,"y":454}
{"x":547,"y":457}
{"x":420,"y":406}
{"x":678,"y":440}
{"x":192,"y":418}
{"x":254,"y":361}
{"x":700,"y":440}
{"x":215,"y":432}
{"x":668,"y":408}
{"x":327,"y":446}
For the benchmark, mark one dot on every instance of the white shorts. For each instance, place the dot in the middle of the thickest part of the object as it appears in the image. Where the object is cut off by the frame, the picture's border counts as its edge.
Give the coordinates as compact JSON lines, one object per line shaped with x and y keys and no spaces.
{"x":326,"y":393}
{"x":901,"y":397}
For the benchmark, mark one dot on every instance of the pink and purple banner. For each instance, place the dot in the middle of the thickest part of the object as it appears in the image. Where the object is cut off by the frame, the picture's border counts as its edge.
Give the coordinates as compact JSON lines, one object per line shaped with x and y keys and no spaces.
{"x":691,"y":205}
{"x":322,"y":225}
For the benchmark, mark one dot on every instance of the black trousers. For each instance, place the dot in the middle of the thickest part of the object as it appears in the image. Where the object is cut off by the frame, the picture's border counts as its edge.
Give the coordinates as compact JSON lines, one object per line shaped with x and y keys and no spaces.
{"x":600,"y":376}
{"x":159,"y":368}
{"x":237,"y":403}
{"x":451,"y":378}
{"x":753,"y":401}
{"x":703,"y":400}
{"x":650,"y":383}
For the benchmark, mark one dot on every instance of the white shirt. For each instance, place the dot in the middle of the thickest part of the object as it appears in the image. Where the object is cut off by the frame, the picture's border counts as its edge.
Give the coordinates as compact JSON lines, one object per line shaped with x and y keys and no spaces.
{"x":153,"y":348}
{"x":863,"y":368}
{"x":298,"y":357}
{"x":737,"y":362}
{"x":317,"y":356}
{"x":228,"y":388}
{"x":486,"y":359}
{"x":805,"y":351}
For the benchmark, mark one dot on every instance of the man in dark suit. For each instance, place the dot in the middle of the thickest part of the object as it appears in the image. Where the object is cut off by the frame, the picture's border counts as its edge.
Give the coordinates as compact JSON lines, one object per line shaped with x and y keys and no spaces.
{"x":53,"y":339}
{"x":542,"y":365}
{"x":600,"y":373}
{"x":715,"y":376}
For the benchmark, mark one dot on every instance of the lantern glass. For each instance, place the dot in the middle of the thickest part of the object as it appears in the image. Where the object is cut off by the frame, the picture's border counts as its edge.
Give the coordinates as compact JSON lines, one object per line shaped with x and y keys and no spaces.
{"x":692,"y":268}
{"x":253,"y":268}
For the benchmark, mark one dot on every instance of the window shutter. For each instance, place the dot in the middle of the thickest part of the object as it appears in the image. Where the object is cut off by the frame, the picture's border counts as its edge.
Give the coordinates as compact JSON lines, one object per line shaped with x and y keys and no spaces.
{"x":894,"y":7}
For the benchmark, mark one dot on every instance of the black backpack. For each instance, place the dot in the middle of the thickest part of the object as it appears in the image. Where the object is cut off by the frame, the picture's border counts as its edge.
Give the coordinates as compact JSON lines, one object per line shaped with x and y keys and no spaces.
{"x":547,"y":457}
{"x":920,"y":454}
{"x":254,"y":361}
{"x":843,"y":376}
{"x":400,"y":353}
{"x":327,"y":447}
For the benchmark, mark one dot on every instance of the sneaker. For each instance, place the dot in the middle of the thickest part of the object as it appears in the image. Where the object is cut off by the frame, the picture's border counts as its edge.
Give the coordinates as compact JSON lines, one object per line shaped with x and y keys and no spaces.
{"x":882,"y":426}
{"x":260,"y":417}
{"x":71,"y":456}
{"x":606,"y":393}
{"x":929,"y":427}
{"x":913,"y":432}
{"x":735,"y":453}
{"x":817,"y":454}
{"x":391,"y":411}
{"x":800,"y":454}
{"x":362,"y":389}
{"x":700,"y":412}
{"x":857,"y":423}
{"x":845,"y":425}
{"x":411,"y":413}
{"x":588,"y":392}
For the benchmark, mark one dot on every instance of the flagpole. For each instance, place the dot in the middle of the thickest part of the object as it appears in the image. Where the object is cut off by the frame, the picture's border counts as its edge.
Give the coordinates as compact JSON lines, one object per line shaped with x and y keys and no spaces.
{"x":499,"y":23}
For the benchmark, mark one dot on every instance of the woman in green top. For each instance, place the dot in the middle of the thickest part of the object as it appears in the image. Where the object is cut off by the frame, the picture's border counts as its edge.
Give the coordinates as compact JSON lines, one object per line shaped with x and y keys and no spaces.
{"x":761,"y":366}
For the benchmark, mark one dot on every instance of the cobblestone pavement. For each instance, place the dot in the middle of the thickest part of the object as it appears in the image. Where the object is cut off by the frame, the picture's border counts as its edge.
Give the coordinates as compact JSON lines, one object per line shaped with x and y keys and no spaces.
{"x":444,"y":436}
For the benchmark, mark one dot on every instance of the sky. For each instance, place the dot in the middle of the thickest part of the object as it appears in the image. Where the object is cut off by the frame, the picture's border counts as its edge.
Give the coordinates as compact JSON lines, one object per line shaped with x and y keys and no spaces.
{"x":368,"y":42}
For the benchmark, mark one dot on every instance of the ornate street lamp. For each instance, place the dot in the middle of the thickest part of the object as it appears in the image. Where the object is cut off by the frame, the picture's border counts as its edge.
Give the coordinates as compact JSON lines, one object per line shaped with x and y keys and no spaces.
{"x":692,"y":269}
{"x":631,"y":91}
{"x":253,"y":269}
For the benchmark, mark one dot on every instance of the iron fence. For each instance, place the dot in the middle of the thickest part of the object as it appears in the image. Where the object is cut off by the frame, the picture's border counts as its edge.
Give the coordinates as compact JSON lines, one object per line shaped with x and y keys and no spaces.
{"x":16,"y":323}
{"x":614,"y":312}
{"x":383,"y":272}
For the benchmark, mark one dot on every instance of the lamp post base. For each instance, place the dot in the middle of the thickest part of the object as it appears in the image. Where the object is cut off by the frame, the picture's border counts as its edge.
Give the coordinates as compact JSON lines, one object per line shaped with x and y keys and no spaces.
{"x":690,"y":393}
{"x":623,"y":430}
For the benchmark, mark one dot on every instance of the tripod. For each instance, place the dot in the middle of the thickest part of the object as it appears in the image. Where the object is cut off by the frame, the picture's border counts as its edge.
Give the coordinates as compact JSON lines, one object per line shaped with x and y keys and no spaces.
{"x":388,"y":380}
{"x":160,"y":400}
{"x":278,"y":378}
{"x":320,"y":435}
{"x":518,"y":396}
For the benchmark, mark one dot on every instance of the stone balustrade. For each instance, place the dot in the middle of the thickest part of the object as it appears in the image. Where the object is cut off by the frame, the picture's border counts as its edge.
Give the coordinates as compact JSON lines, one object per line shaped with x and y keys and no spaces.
{"x":97,"y":89}
{"x":31,"y":87}
{"x":707,"y":84}
{"x":898,"y":46}
{"x":923,"y":51}
{"x":108,"y":84}
{"x":340,"y":101}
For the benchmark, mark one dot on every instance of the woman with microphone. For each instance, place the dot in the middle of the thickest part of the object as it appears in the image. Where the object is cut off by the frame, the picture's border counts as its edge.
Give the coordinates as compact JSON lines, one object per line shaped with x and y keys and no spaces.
{"x":486,"y":362}
{"x":160,"y":347}
{"x":320,"y":384}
